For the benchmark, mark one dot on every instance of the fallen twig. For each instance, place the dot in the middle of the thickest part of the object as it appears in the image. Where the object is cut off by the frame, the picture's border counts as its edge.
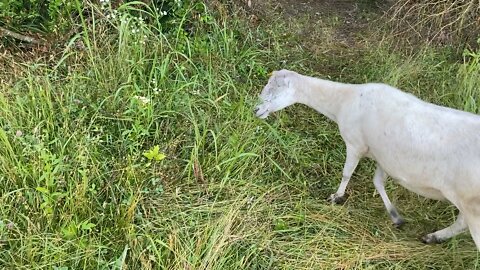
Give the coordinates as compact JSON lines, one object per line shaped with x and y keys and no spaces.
{"x":6,"y":32}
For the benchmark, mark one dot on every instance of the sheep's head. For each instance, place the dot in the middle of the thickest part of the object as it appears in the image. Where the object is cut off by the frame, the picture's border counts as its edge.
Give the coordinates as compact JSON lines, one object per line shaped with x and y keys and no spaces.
{"x":277,"y":94}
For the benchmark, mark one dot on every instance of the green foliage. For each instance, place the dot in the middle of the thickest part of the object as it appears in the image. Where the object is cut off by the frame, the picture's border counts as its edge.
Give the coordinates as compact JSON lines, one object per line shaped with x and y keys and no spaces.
{"x":154,"y":154}
{"x":468,"y":76}
{"x":56,"y":15}
{"x":49,"y":15}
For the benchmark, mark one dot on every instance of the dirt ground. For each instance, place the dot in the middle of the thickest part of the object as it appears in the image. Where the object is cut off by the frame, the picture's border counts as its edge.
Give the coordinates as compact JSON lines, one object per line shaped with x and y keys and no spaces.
{"x":321,"y":35}
{"x":349,"y":17}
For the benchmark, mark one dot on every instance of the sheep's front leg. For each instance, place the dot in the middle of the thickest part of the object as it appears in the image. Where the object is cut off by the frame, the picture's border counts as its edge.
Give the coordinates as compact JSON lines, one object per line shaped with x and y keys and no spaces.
{"x":459,"y":226}
{"x":379,"y":182}
{"x":350,"y":164}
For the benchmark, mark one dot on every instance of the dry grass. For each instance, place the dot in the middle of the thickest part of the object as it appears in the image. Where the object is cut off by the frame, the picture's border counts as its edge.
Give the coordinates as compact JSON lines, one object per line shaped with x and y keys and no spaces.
{"x":441,"y":21}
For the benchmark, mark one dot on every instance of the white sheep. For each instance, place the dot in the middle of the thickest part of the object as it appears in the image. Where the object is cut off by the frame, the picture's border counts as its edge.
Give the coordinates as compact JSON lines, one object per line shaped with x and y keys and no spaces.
{"x":431,"y":150}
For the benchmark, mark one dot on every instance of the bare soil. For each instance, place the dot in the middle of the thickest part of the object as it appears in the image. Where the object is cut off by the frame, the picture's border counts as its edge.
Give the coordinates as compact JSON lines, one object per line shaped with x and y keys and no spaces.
{"x":351,"y":18}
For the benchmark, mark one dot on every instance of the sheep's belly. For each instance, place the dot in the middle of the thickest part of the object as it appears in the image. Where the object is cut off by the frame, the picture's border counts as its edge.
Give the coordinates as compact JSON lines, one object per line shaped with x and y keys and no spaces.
{"x":428,"y":192}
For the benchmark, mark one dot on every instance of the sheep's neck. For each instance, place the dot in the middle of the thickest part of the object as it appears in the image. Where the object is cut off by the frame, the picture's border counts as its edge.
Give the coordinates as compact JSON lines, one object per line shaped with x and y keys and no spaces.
{"x":326,"y":97}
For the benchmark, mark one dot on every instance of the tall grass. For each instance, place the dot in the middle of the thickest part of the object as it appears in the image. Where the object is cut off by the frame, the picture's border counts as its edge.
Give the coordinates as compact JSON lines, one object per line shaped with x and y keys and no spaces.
{"x":232,"y":192}
{"x":445,"y":22}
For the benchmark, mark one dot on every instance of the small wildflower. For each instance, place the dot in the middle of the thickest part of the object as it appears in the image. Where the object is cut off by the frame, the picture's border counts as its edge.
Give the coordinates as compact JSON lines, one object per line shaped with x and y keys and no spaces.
{"x":156,"y":91}
{"x":144,"y":100}
{"x":19,"y":133}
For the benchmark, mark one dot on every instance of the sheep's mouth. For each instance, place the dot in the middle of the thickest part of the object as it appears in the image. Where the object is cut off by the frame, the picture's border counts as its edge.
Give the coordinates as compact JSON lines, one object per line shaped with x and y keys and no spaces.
{"x":261,"y":113}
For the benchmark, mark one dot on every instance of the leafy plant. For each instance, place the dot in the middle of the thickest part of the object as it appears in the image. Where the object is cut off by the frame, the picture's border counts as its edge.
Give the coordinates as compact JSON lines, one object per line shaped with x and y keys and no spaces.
{"x":73,"y":229}
{"x":50,"y":199}
{"x":46,"y":15}
{"x":52,"y":169}
{"x":154,"y":154}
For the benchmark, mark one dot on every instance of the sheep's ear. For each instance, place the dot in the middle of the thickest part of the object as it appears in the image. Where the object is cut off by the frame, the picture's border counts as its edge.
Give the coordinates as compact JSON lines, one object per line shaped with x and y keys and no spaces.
{"x":271,"y":73}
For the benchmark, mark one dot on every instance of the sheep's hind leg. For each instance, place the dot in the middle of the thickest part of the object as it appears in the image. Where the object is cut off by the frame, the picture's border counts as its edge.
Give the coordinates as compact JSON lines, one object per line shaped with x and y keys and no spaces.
{"x":472,"y":218}
{"x":379,"y":182}
{"x":350,"y":164}
{"x":474,"y":227}
{"x":459,"y":226}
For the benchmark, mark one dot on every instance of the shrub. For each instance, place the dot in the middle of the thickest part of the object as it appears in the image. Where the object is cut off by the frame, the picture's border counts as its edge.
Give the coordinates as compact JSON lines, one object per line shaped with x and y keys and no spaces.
{"x":44,"y":15}
{"x":55,"y":16}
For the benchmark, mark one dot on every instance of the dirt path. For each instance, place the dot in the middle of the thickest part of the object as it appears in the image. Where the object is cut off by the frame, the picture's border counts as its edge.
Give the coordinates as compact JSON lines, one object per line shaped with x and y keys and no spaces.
{"x":321,"y":35}
{"x":349,"y":18}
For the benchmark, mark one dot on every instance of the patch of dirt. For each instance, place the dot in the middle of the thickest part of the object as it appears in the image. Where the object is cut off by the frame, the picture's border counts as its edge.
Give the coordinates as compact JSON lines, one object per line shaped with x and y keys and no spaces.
{"x":320,"y":36}
{"x":319,"y":7}
{"x":349,"y":17}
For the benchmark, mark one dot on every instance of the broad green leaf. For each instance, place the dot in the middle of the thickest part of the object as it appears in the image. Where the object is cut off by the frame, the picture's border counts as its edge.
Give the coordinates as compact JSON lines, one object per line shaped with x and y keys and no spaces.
{"x":154,"y":154}
{"x":43,"y":190}
{"x":87,"y":226}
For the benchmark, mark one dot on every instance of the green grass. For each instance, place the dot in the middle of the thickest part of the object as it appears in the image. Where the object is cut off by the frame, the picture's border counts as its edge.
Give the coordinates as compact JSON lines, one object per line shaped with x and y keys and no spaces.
{"x":233,"y":192}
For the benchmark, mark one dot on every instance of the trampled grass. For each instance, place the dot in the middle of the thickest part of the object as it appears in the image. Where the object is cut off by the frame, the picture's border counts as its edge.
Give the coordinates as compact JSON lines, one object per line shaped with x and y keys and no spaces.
{"x":233,"y":192}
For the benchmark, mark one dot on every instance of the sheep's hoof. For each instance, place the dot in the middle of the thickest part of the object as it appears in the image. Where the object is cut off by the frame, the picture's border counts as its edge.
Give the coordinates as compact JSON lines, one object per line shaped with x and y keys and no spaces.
{"x":398,"y":223}
{"x":396,"y":218}
{"x":335,"y":198}
{"x":431,"y":239}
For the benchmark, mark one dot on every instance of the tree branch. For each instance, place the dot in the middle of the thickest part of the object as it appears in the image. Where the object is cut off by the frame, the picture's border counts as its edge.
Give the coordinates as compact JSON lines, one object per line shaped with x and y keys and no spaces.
{"x":6,"y":32}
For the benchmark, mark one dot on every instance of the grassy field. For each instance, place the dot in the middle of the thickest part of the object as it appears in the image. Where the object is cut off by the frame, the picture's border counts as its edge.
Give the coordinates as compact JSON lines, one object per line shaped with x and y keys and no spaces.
{"x":136,"y":147}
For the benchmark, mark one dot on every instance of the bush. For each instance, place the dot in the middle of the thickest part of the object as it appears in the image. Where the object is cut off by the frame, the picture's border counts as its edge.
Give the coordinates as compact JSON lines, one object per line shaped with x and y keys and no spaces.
{"x":55,"y":16}
{"x":44,"y":15}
